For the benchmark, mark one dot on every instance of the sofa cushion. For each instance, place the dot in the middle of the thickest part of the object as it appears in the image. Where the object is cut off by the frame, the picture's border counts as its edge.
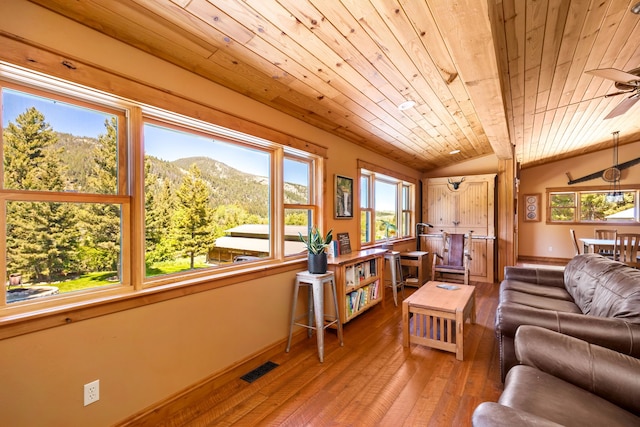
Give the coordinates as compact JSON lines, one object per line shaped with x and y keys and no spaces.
{"x":535,"y":289}
{"x":604,"y":288}
{"x":539,"y":276}
{"x":541,"y":394}
{"x":581,"y":276}
{"x":537,"y":301}
{"x":618,"y":295}
{"x":491,"y":414}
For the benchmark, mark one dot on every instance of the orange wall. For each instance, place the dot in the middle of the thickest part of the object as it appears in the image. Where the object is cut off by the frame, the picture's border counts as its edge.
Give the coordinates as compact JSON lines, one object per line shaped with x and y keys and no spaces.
{"x":143,"y":355}
{"x":538,"y":239}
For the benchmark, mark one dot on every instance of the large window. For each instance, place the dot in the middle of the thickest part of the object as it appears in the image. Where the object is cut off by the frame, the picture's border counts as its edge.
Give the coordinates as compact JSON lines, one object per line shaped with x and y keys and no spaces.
{"x":592,"y":206}
{"x":206,"y":200}
{"x":386,"y":207}
{"x":63,"y":194}
{"x":211,"y":198}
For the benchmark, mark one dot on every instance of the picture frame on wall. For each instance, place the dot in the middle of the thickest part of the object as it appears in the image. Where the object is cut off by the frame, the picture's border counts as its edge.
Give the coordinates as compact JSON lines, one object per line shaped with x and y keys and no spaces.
{"x":531,"y":206}
{"x":343,"y":199}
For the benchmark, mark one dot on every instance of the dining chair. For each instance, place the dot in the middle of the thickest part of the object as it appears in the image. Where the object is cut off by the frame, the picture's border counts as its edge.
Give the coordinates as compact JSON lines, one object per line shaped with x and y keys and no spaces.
{"x":627,"y":248}
{"x":604,"y":234}
{"x":576,"y":248}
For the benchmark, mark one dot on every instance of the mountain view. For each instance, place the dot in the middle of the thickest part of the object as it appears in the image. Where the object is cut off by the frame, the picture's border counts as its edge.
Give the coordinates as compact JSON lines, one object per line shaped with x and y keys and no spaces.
{"x":227,"y":185}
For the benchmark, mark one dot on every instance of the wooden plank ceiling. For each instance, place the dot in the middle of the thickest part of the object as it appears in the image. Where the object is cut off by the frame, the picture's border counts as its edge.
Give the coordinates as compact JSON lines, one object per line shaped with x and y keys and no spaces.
{"x":485,"y":75}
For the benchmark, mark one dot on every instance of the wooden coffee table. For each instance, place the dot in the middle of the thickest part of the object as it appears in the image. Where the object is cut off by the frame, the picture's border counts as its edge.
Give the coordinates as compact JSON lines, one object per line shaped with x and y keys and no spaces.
{"x":434,"y":316}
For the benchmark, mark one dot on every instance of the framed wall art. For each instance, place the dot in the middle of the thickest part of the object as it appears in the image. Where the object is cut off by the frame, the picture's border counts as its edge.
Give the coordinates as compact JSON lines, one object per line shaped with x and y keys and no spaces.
{"x":343,"y":197}
{"x":531,"y":207}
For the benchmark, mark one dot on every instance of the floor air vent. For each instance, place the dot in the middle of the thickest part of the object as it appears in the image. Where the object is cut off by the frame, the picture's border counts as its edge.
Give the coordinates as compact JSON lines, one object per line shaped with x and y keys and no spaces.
{"x":258,"y":372}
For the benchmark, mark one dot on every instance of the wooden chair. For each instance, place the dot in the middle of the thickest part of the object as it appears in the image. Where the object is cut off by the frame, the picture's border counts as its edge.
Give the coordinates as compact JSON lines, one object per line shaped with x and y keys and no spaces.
{"x":576,"y":248}
{"x":608,"y":234}
{"x":627,"y":249}
{"x":454,"y":259}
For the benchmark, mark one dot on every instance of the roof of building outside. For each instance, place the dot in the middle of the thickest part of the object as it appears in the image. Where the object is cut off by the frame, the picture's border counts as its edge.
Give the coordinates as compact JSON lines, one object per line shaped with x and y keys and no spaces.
{"x":625,"y":214}
{"x":256,"y":245}
{"x":263,"y":230}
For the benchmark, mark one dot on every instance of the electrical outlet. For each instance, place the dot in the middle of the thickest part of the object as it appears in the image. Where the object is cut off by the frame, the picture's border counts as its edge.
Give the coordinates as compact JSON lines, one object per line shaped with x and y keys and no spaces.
{"x":91,"y":392}
{"x":550,"y":248}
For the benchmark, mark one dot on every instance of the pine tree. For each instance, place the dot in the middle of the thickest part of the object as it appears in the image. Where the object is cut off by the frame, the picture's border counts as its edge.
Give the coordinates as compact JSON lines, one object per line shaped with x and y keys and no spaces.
{"x":158,"y":209}
{"x":41,"y":236}
{"x":193,"y":216}
{"x":102,"y":221}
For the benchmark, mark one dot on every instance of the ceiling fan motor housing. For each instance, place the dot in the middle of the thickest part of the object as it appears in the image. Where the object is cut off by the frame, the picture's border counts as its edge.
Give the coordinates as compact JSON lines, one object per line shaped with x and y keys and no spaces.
{"x":632,"y":84}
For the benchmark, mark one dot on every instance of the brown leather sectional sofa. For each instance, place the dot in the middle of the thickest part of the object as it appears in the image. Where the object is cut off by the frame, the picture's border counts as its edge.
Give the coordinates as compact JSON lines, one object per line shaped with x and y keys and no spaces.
{"x":594,"y":299}
{"x":563,"y":381}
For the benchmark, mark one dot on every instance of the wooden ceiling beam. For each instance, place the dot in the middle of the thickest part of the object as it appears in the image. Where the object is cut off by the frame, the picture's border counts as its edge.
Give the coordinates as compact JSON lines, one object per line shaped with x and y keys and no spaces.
{"x":467,"y":31}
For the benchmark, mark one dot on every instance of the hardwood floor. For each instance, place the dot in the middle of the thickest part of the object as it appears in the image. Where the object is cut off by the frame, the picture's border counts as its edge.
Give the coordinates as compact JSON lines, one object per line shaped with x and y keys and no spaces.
{"x":372,"y":380}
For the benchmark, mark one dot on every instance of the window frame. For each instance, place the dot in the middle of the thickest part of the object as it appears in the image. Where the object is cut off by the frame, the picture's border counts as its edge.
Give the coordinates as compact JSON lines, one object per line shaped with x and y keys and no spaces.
{"x":577,"y":207}
{"x":313,"y":200}
{"x":120,"y":198}
{"x":405,"y":187}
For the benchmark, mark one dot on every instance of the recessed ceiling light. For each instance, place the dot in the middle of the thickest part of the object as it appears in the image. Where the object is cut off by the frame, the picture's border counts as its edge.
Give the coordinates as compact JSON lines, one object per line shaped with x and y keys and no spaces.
{"x":454,"y":152}
{"x":406,"y":105}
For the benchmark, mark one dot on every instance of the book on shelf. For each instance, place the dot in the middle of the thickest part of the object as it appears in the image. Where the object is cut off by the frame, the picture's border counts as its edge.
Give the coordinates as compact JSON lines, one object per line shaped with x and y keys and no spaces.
{"x":357,"y":300}
{"x":332,"y":249}
{"x":344,"y":244}
{"x":351,"y":303}
{"x":374,"y":290}
{"x":350,"y":276}
{"x":364,"y":296}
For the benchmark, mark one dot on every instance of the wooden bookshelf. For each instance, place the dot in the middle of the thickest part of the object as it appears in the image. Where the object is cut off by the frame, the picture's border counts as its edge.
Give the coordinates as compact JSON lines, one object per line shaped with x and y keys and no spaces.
{"x":359,"y":281}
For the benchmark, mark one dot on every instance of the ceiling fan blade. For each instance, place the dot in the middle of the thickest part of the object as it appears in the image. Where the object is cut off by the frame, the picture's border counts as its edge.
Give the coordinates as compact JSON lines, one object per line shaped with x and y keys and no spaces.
{"x":624,"y":106}
{"x":615,"y":75}
{"x":609,"y":95}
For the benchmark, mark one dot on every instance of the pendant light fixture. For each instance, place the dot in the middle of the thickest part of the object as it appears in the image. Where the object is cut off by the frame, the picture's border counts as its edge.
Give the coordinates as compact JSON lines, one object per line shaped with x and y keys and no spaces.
{"x":612,"y":175}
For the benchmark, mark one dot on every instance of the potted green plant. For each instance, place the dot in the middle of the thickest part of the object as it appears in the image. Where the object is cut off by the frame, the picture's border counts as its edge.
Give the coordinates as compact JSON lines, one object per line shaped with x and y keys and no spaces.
{"x":316,"y":244}
{"x":388,"y":226}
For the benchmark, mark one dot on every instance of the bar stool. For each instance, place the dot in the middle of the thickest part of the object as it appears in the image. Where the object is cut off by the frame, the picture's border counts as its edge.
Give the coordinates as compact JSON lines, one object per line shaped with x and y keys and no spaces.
{"x":397,"y":280}
{"x":315,"y":283}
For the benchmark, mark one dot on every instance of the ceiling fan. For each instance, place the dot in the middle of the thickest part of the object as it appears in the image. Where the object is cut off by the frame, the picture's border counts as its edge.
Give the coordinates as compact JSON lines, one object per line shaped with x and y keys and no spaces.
{"x":626,"y":82}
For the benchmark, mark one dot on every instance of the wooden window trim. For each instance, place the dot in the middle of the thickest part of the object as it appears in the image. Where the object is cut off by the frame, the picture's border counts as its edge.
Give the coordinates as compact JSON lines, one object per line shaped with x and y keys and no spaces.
{"x":585,"y":189}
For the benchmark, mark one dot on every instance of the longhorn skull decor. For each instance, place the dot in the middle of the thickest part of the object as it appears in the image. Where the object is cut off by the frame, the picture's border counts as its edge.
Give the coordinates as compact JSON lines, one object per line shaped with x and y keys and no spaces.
{"x":455,"y":184}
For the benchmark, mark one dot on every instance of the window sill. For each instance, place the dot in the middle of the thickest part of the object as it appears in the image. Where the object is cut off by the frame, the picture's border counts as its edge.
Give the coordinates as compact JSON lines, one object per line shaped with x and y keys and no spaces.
{"x":379,"y":245}
{"x":15,"y":322}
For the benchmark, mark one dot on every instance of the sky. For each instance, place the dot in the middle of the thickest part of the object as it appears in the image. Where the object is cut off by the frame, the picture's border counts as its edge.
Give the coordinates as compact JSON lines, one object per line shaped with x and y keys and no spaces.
{"x":162,"y":143}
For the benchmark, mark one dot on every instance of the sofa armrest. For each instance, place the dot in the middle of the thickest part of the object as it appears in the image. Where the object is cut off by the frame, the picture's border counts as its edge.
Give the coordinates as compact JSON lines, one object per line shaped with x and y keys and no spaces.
{"x":601,"y":371}
{"x":539,"y":276}
{"x":612,"y":333}
{"x":491,"y":414}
